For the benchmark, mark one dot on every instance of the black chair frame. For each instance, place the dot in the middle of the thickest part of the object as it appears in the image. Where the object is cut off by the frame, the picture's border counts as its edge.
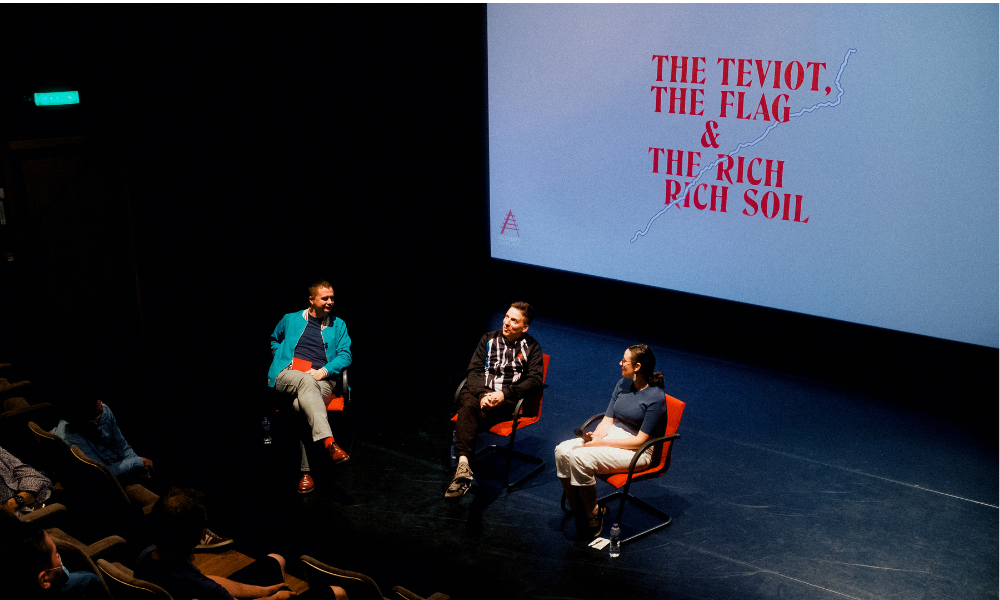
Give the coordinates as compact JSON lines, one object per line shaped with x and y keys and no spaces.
{"x":509,"y":450}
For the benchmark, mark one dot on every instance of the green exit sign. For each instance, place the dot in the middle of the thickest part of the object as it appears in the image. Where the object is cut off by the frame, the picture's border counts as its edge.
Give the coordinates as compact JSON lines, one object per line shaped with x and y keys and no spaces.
{"x":56,"y":98}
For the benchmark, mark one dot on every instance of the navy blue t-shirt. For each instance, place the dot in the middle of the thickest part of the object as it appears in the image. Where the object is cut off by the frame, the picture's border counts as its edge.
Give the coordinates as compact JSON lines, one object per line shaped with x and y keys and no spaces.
{"x":638,"y":411}
{"x":310,"y":346}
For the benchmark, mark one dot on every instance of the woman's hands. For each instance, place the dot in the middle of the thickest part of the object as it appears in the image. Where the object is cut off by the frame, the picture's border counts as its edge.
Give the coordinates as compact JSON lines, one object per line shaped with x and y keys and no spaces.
{"x":599,"y":439}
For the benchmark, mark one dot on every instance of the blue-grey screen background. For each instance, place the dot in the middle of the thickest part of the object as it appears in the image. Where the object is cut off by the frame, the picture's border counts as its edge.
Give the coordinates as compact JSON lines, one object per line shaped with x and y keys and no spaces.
{"x":899,"y":178}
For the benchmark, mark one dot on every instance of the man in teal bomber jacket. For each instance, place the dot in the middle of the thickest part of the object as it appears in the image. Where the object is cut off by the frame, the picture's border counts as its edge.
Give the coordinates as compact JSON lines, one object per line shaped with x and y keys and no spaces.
{"x":308,"y":348}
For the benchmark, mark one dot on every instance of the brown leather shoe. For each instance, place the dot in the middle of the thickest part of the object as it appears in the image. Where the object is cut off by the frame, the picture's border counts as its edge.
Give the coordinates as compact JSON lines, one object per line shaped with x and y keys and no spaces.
{"x":336,"y":454}
{"x":306,"y":484}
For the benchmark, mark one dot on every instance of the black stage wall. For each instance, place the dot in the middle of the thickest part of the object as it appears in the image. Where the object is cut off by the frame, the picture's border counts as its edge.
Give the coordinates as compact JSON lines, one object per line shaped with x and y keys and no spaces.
{"x":261,"y":147}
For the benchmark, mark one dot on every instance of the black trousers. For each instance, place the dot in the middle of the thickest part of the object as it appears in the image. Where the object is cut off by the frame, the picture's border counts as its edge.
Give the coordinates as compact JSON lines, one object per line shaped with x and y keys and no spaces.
{"x":471,"y":420}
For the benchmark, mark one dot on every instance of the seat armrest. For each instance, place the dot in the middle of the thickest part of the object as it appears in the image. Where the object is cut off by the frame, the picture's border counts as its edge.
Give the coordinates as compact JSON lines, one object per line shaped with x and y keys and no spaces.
{"x":408,"y":595}
{"x":103,"y":548}
{"x":45,"y":515}
{"x":459,"y":388}
{"x":591,"y":421}
{"x":651,"y":442}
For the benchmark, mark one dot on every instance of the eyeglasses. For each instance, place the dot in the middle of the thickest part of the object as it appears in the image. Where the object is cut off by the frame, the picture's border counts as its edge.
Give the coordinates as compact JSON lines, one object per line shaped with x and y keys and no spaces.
{"x":59,"y":568}
{"x":625,"y":362}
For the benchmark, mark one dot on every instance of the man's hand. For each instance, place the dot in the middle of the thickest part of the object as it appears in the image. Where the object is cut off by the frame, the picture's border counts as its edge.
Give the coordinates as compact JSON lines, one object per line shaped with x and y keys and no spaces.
{"x":278,"y":592}
{"x":490,"y":400}
{"x":317,"y":375}
{"x":148,"y":464}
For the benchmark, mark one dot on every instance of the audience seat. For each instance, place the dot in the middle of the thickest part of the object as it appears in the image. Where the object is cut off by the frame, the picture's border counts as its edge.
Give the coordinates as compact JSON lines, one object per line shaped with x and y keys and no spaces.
{"x":134,"y":496}
{"x":10,"y":389}
{"x":124,"y":586}
{"x":357,"y":585}
{"x":76,"y":557}
{"x":51,"y":516}
{"x":15,"y":436}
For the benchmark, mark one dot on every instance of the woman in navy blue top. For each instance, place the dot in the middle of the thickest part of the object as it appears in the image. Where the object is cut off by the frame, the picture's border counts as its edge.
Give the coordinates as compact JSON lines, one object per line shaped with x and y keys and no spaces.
{"x":636,"y":413}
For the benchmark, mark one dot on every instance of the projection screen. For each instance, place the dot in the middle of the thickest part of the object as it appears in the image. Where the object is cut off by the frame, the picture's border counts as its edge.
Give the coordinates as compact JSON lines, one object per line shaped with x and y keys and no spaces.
{"x":832,"y":160}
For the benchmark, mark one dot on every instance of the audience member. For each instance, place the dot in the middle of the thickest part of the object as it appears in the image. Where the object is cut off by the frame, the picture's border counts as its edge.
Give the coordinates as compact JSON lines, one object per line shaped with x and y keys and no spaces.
{"x":31,"y":568}
{"x":21,"y":487}
{"x":90,"y":425}
{"x":506,"y":365}
{"x":308,"y":348}
{"x":177,"y":520}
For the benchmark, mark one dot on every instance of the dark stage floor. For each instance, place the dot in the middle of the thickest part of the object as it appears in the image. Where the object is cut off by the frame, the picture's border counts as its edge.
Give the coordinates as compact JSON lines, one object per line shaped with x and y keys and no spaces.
{"x":780,"y":488}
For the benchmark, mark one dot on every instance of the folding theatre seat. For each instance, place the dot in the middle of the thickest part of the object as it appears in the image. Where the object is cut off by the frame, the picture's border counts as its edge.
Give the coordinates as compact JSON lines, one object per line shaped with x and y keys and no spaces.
{"x":357,"y":585}
{"x":124,"y":585}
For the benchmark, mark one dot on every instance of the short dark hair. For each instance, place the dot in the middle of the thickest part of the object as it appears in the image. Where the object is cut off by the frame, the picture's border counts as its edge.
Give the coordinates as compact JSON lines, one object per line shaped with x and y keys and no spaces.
{"x":525,"y":309}
{"x":319,"y":283}
{"x":177,"y":520}
{"x":80,"y":406}
{"x":24,"y":553}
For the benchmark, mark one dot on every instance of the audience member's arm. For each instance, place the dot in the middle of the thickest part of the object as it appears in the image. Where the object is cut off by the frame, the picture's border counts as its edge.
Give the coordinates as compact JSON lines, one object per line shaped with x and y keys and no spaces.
{"x":11,"y":505}
{"x":27,"y":479}
{"x":247,"y":591}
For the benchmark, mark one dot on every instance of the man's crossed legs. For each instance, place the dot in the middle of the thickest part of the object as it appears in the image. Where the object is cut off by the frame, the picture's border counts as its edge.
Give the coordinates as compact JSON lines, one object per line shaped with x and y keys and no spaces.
{"x":311,"y":397}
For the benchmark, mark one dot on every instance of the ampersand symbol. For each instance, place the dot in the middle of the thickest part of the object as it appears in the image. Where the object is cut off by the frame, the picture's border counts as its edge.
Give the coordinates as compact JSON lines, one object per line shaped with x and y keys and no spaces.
{"x":708,"y":138}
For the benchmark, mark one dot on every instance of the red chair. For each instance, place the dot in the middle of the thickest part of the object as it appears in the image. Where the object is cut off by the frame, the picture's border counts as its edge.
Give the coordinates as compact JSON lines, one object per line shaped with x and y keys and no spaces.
{"x":657,"y":467}
{"x":526,"y":412}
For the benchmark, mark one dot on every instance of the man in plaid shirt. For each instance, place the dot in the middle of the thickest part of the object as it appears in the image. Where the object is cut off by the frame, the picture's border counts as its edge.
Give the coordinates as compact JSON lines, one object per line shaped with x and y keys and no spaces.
{"x":507,"y":365}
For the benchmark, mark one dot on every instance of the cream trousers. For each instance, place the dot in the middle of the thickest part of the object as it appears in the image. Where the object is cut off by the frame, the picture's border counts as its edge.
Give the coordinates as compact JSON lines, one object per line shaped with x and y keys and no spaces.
{"x":579,"y":464}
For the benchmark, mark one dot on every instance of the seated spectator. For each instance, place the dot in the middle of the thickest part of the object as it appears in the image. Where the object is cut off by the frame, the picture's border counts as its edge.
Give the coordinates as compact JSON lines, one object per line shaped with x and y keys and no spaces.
{"x":21,"y":487}
{"x":177,"y":521}
{"x":91,"y":426}
{"x":30,"y":566}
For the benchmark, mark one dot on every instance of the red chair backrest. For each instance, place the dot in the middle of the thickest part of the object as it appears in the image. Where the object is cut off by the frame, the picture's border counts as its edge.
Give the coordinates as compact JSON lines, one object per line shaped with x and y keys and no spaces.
{"x":530,"y":408}
{"x":675,"y":408}
{"x":661,"y":458}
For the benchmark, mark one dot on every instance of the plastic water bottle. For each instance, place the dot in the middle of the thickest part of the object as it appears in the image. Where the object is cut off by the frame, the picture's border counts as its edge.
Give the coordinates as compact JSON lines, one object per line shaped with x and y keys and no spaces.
{"x":615,"y":548}
{"x":266,"y":424}
{"x":454,"y":455}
